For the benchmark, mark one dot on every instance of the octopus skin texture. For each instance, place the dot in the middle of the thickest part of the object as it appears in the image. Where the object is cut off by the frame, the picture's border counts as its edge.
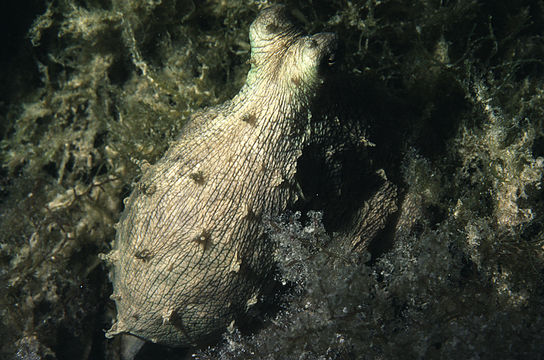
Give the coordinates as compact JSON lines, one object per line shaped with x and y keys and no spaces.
{"x":191,"y":254}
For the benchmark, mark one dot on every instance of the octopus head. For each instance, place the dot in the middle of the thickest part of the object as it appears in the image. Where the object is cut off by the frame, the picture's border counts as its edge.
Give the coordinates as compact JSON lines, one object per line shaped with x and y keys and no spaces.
{"x":282,"y":55}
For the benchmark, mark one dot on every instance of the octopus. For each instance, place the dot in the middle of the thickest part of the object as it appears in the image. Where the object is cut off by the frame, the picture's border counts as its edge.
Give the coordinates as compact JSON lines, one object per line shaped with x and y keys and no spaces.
{"x":191,"y":254}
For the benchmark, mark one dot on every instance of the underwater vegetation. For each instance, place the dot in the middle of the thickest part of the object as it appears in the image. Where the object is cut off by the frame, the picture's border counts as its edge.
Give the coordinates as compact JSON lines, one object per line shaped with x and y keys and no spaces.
{"x":451,"y":94}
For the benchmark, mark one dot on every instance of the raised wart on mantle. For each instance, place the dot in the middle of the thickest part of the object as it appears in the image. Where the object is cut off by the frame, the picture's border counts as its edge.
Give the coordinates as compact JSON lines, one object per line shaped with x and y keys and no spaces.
{"x":191,"y":255}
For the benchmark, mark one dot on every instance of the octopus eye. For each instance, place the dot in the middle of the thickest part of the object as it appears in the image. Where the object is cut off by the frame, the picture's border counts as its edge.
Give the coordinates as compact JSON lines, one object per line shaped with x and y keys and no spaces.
{"x":272,"y":28}
{"x":312,"y":43}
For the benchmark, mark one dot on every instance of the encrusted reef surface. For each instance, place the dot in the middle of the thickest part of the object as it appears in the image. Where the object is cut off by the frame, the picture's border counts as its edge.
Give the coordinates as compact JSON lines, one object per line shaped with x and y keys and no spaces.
{"x":446,"y":99}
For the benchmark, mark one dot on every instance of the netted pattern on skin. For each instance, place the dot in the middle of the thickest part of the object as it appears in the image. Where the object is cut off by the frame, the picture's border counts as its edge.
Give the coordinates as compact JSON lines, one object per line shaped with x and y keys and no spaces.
{"x":190,"y":255}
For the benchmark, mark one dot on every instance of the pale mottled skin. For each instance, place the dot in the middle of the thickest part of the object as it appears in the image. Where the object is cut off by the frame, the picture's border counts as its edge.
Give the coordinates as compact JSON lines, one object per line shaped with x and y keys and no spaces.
{"x":191,"y":255}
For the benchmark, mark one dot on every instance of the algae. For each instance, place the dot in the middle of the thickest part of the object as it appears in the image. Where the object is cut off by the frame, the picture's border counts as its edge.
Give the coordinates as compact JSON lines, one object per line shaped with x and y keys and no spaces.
{"x":451,"y":92}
